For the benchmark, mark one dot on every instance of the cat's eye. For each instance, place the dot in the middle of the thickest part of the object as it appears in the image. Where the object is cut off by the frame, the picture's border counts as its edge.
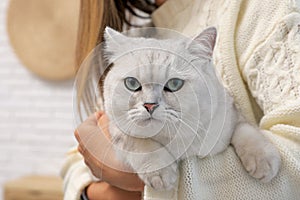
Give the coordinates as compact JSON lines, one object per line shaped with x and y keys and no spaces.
{"x":174,"y":85}
{"x":132,"y":84}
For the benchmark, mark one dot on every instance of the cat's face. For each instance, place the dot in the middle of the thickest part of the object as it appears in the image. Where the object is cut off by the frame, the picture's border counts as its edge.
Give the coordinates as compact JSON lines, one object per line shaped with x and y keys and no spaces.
{"x":153,"y":84}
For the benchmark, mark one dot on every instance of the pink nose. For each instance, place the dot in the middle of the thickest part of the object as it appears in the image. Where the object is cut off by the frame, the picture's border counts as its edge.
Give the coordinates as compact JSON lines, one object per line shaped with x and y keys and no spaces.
{"x":150,"y":107}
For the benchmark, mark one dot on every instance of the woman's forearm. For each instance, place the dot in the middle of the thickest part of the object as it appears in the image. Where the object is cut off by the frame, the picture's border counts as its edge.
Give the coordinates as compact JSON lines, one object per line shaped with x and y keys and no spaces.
{"x":104,"y":191}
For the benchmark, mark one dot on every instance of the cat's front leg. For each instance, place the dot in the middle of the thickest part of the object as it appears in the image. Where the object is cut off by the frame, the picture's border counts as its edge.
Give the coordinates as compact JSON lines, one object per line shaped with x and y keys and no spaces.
{"x":161,"y":179}
{"x":258,"y":155}
{"x":155,"y":166}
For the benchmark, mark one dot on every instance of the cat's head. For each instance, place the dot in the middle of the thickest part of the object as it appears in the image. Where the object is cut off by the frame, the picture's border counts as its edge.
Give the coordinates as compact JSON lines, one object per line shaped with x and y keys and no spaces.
{"x":153,"y":83}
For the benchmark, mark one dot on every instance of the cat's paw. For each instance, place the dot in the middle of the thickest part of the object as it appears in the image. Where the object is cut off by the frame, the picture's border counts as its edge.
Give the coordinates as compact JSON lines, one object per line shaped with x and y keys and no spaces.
{"x":163,"y":179}
{"x":261,"y":161}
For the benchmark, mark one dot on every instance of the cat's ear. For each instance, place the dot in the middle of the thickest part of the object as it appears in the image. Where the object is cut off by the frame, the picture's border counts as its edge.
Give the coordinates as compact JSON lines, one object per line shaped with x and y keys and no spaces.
{"x":113,"y":42}
{"x":206,"y":41}
{"x":113,"y":37}
{"x":110,"y":33}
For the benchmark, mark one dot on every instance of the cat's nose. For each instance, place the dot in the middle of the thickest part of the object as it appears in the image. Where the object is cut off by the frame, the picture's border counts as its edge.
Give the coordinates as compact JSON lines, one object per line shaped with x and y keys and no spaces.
{"x":150,"y":107}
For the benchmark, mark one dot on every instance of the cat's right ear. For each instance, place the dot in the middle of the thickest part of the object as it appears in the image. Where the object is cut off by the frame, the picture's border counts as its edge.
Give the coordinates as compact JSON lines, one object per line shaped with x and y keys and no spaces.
{"x":111,"y":35}
{"x":113,"y":43}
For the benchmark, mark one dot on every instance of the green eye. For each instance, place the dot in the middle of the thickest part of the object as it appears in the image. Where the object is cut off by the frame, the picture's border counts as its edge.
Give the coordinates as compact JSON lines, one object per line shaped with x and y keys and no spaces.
{"x":174,"y":85}
{"x":132,"y":84}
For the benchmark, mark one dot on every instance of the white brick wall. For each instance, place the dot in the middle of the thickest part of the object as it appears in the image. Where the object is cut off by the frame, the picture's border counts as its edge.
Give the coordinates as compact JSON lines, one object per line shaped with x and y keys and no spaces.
{"x":36,"y":119}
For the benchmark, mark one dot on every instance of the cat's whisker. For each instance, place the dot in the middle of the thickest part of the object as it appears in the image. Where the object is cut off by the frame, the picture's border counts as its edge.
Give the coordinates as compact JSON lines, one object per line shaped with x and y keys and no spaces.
{"x":198,"y":134}
{"x":129,"y":127}
{"x":194,"y":118}
{"x":133,"y":111}
{"x":170,"y":115}
{"x":200,"y":125}
{"x":177,"y":143}
{"x":200,"y":138}
{"x":134,"y":117}
{"x":135,"y":114}
{"x":187,"y":125}
{"x":173,"y":115}
{"x":174,"y":112}
{"x":178,"y":119}
{"x":169,"y":133}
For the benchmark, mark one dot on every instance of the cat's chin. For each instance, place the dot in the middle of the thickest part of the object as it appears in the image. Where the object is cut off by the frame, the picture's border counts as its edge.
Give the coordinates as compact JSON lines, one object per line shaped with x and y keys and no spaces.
{"x":147,"y":122}
{"x":146,"y":128}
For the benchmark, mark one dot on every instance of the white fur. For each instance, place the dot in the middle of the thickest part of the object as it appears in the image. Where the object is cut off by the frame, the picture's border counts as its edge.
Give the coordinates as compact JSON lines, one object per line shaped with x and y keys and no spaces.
{"x":199,"y":119}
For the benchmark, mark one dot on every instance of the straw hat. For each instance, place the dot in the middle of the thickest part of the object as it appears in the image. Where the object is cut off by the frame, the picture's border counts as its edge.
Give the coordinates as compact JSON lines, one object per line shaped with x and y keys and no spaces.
{"x":43,"y":35}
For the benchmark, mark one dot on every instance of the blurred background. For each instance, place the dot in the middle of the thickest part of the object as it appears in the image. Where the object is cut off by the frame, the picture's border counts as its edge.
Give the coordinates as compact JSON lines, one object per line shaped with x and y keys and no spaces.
{"x":36,"y":116}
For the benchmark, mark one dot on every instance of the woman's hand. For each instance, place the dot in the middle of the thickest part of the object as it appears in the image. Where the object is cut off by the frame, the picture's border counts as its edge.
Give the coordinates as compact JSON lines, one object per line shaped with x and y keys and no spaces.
{"x":96,"y":148}
{"x":103,"y":191}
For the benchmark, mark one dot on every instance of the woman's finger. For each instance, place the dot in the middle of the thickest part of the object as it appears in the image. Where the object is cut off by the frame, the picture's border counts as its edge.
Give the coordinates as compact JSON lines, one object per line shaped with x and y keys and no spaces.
{"x":76,"y":134}
{"x":93,"y":119}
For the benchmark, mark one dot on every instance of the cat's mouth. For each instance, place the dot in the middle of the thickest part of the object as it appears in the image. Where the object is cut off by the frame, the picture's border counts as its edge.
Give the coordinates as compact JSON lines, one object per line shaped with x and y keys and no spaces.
{"x":146,"y":127}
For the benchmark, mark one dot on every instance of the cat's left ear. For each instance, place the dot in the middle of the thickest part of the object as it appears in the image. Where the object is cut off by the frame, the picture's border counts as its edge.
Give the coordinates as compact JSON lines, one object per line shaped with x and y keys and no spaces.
{"x":207,"y":40}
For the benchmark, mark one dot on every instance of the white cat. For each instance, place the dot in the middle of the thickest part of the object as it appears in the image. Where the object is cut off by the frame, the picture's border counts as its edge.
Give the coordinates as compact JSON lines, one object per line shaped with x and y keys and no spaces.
{"x":165,"y":103}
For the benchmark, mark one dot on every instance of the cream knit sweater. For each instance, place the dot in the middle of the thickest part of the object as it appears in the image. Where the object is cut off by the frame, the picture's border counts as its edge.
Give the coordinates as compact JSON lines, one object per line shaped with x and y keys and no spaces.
{"x":258,"y":58}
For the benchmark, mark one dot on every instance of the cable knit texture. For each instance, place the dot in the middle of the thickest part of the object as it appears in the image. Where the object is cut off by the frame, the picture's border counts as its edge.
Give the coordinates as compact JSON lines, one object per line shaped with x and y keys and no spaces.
{"x":258,"y":59}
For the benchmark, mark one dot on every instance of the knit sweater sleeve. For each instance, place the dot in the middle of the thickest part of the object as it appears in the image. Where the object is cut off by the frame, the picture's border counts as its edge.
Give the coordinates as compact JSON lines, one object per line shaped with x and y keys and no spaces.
{"x":271,"y":69}
{"x":76,"y":175}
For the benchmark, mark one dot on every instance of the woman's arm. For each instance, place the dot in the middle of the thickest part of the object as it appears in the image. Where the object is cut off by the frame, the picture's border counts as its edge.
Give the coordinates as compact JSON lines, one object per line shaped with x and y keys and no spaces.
{"x":103,"y":190}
